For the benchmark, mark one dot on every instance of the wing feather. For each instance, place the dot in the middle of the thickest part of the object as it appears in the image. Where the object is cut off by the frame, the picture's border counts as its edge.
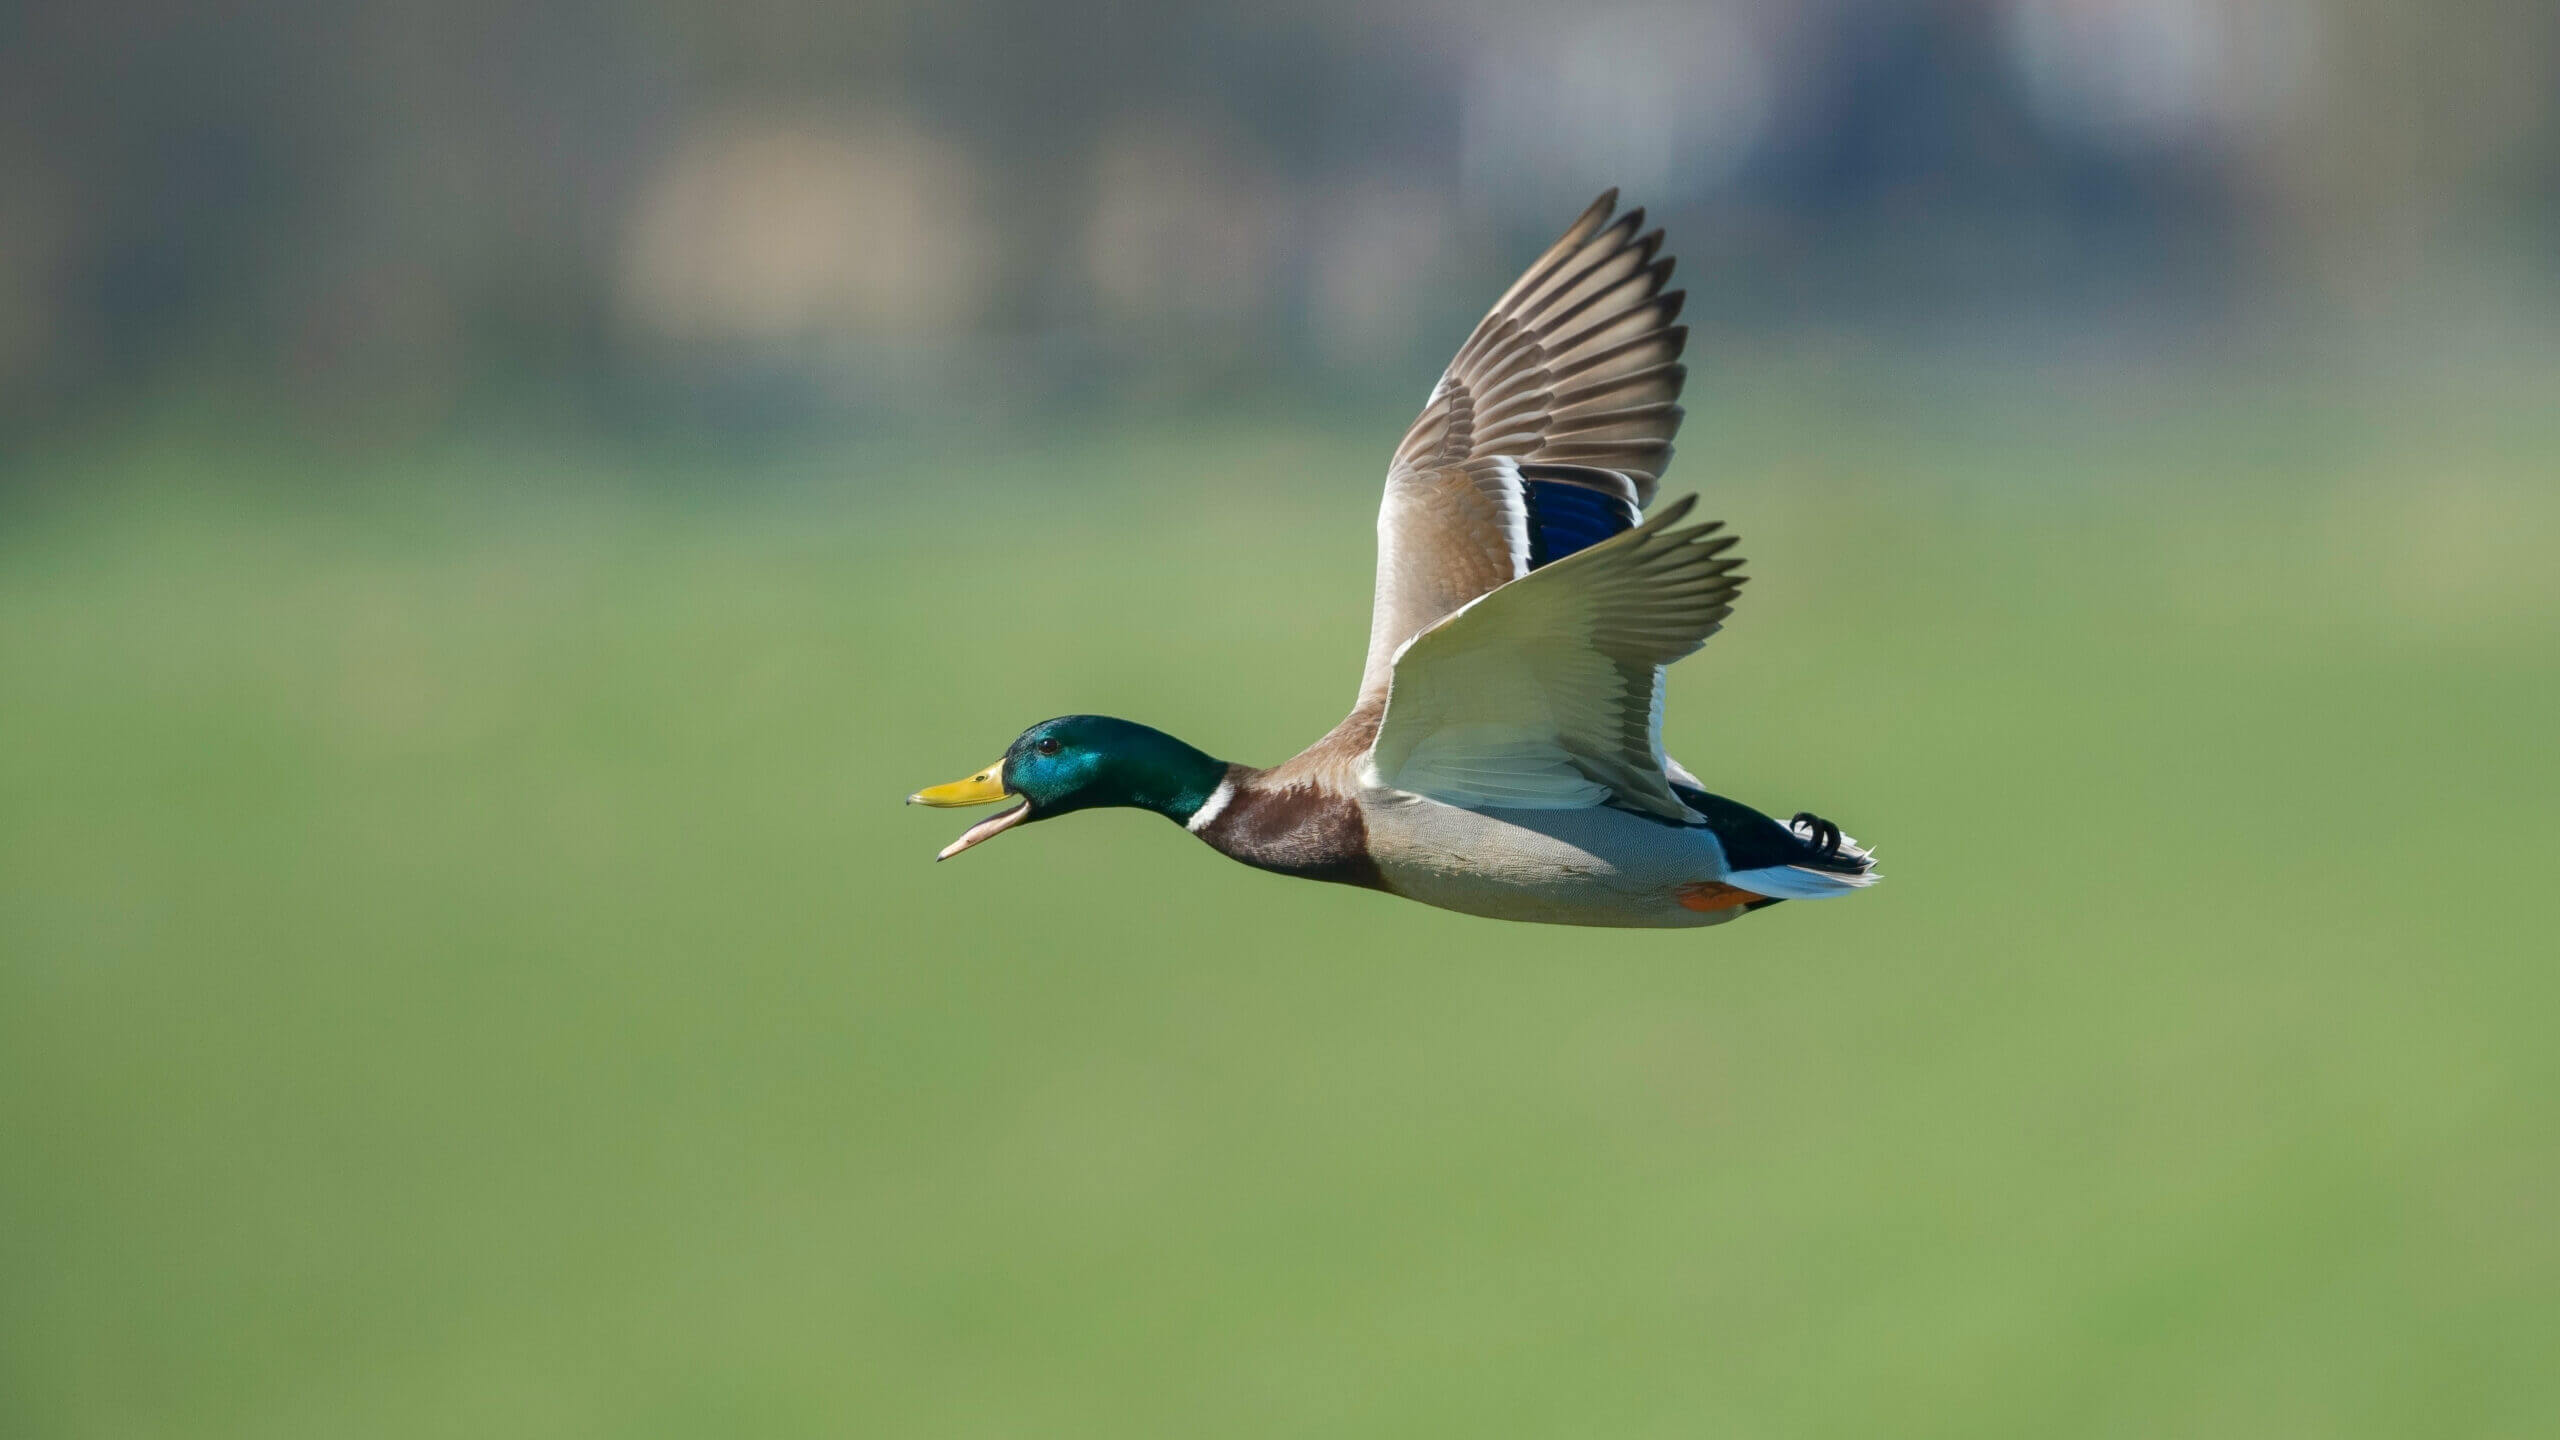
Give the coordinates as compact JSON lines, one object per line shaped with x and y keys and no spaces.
{"x":1546,"y":693}
{"x":1574,"y":371}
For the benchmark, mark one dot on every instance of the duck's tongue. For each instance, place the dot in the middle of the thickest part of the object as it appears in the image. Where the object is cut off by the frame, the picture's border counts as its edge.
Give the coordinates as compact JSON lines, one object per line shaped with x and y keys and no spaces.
{"x":987,"y":829}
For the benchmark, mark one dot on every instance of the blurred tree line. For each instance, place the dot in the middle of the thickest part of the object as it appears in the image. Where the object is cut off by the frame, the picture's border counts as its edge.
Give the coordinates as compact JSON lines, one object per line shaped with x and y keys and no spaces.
{"x":376,"y":217}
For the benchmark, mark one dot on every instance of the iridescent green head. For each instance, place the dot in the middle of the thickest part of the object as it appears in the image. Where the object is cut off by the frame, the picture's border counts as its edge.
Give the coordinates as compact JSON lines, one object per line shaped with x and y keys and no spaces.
{"x":1079,"y":762}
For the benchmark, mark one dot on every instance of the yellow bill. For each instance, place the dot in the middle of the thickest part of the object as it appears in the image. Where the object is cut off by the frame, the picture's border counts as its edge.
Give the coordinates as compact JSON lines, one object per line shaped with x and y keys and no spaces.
{"x":984,"y":788}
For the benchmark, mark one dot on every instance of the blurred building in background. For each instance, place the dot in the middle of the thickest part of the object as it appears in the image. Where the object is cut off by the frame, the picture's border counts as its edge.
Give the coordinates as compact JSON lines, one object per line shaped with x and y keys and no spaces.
{"x":381,"y":219}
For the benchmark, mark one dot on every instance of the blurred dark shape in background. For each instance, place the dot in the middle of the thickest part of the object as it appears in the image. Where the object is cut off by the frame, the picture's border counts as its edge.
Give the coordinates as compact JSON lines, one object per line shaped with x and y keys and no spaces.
{"x":376,"y":220}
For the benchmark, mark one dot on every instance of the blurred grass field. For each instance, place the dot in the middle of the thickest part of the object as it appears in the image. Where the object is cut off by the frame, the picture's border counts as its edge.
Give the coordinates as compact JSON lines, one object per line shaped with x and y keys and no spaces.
{"x":467,"y":971}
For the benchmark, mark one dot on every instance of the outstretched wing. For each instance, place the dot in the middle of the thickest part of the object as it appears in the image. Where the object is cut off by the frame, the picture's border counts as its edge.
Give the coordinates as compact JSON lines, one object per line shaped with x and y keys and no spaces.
{"x":1546,"y":693}
{"x":1546,"y":434}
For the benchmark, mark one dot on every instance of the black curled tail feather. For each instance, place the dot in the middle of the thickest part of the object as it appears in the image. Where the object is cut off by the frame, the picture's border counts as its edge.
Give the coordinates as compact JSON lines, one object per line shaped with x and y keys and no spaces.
{"x":1753,"y":841}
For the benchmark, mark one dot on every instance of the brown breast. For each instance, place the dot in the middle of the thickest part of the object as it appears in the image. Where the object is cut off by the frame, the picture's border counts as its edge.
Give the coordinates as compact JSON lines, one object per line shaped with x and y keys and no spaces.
{"x":1306,"y":827}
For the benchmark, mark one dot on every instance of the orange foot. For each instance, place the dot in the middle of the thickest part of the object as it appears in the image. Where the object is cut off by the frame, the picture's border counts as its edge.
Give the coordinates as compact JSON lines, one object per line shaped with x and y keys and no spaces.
{"x":1713,"y":895}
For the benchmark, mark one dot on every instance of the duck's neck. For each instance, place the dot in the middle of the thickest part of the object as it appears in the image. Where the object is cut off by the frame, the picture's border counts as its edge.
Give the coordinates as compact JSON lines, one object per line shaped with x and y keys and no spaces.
{"x":1171,"y":778}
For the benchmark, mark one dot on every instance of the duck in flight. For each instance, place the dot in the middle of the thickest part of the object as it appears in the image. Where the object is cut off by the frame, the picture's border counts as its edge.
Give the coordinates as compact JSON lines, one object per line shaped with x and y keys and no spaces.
{"x":1505,"y":755}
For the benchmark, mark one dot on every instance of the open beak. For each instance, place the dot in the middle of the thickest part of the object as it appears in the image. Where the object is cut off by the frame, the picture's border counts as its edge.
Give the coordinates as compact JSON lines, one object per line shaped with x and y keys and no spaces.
{"x":984,"y":788}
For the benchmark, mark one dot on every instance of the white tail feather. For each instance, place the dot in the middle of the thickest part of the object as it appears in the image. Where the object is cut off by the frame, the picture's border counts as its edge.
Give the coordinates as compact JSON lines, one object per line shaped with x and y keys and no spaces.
{"x":1803,"y":882}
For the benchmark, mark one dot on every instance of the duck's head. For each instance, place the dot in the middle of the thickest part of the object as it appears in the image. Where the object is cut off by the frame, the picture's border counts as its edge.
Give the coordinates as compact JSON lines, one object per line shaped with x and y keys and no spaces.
{"x":1078,"y":762}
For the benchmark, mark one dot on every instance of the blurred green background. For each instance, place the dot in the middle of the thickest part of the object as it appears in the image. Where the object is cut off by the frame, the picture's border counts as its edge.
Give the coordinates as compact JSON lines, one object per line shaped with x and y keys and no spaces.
{"x":496,"y":513}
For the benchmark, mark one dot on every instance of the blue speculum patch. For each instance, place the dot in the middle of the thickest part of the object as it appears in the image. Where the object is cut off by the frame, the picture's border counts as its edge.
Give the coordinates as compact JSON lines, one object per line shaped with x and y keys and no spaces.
{"x":1564,"y":518}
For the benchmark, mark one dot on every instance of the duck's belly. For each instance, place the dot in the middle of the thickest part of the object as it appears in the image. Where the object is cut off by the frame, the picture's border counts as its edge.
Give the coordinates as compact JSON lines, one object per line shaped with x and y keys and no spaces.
{"x":1597,"y":866}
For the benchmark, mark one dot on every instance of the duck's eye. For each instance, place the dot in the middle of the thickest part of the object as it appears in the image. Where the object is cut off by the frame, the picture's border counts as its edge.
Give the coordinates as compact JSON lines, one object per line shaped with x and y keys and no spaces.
{"x":1048,"y":745}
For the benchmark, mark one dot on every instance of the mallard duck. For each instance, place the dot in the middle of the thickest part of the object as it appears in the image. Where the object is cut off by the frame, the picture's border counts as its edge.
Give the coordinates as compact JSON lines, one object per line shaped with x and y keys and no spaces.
{"x":1505,"y":755}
